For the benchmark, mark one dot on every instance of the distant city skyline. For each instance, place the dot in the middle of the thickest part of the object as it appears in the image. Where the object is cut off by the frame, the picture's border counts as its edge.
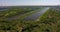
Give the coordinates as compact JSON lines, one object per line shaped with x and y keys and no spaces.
{"x":28,"y":2}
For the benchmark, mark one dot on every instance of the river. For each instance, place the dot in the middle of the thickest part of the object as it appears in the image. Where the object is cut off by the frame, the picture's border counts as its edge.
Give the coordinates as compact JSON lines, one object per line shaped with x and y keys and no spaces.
{"x":37,"y":14}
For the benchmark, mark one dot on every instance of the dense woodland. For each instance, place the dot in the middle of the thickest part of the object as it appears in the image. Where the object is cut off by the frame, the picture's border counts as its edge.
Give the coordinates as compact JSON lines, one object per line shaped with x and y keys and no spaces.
{"x":48,"y":22}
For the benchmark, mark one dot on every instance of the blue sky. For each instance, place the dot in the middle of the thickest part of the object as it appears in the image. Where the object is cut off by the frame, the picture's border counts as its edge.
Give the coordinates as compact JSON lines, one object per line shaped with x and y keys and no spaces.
{"x":28,"y":2}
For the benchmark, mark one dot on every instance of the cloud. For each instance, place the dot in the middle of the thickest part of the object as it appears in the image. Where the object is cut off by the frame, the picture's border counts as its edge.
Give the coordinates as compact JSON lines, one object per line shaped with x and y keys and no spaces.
{"x":29,"y":2}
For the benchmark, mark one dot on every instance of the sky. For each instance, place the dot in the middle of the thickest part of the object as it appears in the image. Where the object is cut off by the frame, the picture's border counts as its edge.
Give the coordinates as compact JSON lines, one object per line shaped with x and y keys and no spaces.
{"x":28,"y":2}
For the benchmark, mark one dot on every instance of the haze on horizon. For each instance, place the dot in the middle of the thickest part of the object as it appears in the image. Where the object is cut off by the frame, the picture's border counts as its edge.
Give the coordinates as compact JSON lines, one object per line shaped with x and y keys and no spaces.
{"x":28,"y":2}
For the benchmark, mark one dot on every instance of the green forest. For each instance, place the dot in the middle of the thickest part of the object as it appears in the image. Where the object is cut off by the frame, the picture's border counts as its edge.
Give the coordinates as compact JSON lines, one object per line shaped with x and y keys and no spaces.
{"x":47,"y":22}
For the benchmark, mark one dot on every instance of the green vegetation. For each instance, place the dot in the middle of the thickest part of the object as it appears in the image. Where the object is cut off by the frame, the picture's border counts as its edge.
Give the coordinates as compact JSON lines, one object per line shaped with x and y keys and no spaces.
{"x":15,"y":11}
{"x":48,"y":22}
{"x":51,"y":18}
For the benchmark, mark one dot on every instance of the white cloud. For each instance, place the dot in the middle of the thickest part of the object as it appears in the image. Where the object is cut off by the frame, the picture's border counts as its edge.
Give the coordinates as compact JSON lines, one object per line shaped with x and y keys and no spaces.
{"x":30,"y":2}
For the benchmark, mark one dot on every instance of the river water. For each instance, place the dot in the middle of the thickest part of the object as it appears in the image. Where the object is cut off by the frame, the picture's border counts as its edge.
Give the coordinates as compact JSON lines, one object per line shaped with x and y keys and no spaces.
{"x":37,"y":14}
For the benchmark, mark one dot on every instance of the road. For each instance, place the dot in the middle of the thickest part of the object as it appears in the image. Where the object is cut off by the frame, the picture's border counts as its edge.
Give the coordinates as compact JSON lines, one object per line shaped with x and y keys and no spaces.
{"x":36,"y":15}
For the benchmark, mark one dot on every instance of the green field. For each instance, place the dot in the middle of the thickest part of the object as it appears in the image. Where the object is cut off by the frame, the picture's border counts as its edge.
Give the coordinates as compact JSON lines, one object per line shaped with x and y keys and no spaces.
{"x":47,"y":22}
